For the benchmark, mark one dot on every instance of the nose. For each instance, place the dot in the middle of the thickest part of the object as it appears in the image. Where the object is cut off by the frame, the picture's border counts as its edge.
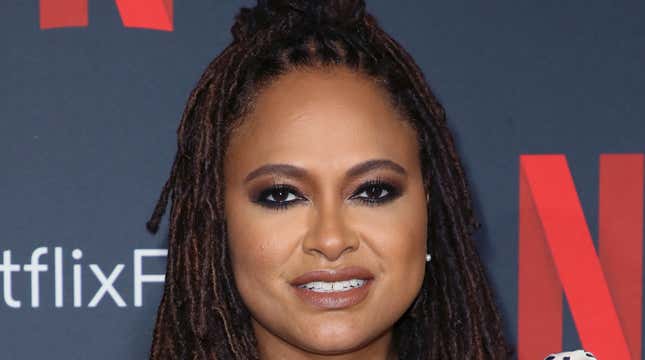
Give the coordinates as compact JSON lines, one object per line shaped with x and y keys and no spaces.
{"x":330,"y":234}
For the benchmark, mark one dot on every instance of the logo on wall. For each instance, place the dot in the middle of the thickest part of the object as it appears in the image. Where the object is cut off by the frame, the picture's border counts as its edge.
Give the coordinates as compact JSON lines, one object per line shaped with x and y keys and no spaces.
{"x":34,"y":267}
{"x":146,"y":14}
{"x":556,"y":253}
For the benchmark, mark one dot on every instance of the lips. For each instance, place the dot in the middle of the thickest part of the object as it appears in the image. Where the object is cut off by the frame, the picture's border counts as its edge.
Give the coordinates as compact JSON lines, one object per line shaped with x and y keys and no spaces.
{"x":347,"y":273}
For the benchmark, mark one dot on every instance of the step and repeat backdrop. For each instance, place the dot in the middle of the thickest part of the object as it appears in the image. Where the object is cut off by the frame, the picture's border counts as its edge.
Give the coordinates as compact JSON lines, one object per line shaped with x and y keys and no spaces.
{"x":546,"y":100}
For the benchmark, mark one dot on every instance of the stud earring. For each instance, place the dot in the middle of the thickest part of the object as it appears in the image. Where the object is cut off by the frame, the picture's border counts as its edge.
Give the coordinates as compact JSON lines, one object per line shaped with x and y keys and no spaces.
{"x":428,"y":257}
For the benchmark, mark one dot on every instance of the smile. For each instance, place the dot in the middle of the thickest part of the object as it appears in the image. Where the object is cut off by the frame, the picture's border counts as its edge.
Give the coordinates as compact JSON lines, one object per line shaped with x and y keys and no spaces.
{"x":334,"y":295}
{"x":337,"y":286}
{"x":333,"y":288}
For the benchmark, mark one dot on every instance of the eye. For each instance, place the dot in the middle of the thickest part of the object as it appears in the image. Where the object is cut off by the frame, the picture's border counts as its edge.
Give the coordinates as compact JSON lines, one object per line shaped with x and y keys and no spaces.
{"x":372,"y":193}
{"x":278,"y":197}
{"x":377,"y":192}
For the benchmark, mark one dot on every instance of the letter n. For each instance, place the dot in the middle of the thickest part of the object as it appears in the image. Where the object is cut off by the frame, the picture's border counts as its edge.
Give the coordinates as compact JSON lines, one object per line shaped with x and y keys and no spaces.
{"x":556,"y":253}
{"x":147,"y":14}
{"x":63,"y":13}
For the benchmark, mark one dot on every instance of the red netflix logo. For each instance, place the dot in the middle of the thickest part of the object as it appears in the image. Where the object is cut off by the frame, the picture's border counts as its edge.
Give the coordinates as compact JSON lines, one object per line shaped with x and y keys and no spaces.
{"x":604,"y":291}
{"x":146,"y":14}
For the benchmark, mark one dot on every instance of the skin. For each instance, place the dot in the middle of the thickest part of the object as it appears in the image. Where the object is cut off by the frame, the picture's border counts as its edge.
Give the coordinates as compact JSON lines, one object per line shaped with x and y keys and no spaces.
{"x":324,"y":121}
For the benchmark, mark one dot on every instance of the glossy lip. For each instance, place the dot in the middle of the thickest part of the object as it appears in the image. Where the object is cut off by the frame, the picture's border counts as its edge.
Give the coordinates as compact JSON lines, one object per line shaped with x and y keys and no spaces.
{"x":334,"y":299}
{"x":347,"y":273}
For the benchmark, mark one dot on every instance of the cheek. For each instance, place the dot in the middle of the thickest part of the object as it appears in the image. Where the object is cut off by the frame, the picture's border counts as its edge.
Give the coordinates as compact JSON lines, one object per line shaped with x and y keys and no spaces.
{"x":400,"y":240}
{"x":400,"y":232}
{"x":254,"y":250}
{"x":261,"y":244}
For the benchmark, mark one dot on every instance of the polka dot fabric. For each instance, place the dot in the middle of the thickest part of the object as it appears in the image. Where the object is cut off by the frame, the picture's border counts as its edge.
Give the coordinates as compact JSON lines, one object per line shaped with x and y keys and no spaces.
{"x":571,"y":355}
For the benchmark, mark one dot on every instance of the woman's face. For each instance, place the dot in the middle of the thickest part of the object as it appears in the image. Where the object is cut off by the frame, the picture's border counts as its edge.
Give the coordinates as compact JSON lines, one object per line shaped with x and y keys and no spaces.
{"x":313,"y":132}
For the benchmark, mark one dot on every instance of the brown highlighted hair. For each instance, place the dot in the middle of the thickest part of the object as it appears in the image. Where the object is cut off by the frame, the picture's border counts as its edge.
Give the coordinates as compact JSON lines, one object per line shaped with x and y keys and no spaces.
{"x":201,"y":315}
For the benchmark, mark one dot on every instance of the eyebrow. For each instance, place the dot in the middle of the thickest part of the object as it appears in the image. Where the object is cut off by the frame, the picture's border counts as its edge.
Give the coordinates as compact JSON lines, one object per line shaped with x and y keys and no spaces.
{"x":299,"y":173}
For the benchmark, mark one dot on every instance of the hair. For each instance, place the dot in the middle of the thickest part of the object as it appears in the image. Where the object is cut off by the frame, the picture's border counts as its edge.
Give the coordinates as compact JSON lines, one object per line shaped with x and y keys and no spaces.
{"x":201,"y":314}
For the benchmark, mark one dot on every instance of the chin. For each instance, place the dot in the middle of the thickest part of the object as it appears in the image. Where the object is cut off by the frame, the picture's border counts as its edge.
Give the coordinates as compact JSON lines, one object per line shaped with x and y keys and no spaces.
{"x":322,"y":347}
{"x":334,"y":340}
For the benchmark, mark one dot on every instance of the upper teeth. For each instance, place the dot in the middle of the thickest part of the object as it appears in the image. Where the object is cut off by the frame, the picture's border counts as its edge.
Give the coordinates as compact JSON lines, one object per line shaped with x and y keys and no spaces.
{"x":323,"y":286}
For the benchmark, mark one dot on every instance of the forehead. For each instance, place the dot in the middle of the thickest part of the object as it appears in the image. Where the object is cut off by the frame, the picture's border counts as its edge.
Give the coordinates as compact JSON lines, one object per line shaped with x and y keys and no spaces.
{"x":313,"y":118}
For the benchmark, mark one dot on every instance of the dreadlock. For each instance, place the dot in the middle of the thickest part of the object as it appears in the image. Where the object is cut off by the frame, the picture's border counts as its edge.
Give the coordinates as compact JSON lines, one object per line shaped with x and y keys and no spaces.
{"x":201,"y":314}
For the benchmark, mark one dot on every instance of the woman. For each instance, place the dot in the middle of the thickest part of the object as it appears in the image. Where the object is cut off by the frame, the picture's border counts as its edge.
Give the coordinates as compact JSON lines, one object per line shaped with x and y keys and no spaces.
{"x":319,"y":208}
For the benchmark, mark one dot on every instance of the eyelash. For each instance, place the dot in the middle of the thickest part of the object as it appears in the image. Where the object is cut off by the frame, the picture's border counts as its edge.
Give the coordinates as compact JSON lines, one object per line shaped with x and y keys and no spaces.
{"x":392,"y":193}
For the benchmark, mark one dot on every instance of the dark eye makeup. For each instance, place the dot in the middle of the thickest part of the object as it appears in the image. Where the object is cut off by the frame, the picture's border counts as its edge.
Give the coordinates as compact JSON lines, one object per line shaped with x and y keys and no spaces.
{"x":371,"y":193}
